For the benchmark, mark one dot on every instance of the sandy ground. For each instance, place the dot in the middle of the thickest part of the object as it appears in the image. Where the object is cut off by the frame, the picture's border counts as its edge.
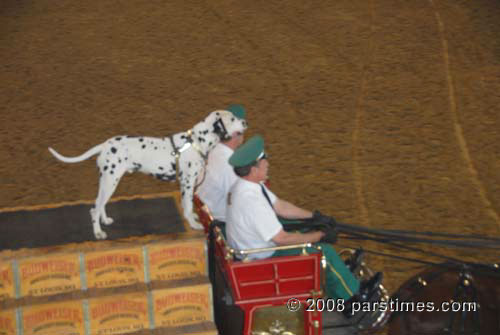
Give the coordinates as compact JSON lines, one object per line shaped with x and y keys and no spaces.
{"x":381,"y":113}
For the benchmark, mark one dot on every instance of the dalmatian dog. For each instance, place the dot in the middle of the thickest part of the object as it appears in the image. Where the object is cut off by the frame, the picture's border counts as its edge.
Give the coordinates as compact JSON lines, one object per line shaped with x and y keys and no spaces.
{"x":181,"y":156}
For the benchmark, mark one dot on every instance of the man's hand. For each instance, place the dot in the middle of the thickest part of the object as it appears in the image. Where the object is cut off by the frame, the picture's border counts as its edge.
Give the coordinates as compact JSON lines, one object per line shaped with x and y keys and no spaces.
{"x":330,"y":236}
{"x":327,"y":225}
{"x":322,"y":222}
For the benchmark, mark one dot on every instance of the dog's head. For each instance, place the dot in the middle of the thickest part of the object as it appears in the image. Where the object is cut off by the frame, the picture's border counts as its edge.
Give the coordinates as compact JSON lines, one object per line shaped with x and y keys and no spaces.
{"x":225,"y":123}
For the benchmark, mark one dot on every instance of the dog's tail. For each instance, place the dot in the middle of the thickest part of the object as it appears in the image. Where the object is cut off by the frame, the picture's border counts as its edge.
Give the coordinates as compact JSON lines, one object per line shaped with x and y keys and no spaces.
{"x":94,"y":151}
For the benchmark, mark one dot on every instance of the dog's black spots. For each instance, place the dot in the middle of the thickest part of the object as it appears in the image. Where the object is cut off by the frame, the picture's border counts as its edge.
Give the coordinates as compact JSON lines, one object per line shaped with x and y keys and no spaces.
{"x":105,"y":167}
{"x":113,"y":150}
{"x":195,"y":174}
{"x":183,"y":137}
{"x":204,"y":132}
{"x":217,"y":113}
{"x":141,"y":139}
{"x":182,"y":193}
{"x":119,"y":161}
{"x":118,"y":138}
{"x":188,"y":187}
{"x":173,"y":166}
{"x":180,"y":174}
{"x":107,"y":160}
{"x":160,"y":167}
{"x":189,"y":164}
{"x":111,"y":172}
{"x":165,"y":177}
{"x":232,"y":119}
{"x":210,"y":143}
{"x":113,"y":166}
{"x":201,"y":139}
{"x":126,"y":158}
{"x":143,"y":146}
{"x":156,"y":148}
{"x":137,"y":166}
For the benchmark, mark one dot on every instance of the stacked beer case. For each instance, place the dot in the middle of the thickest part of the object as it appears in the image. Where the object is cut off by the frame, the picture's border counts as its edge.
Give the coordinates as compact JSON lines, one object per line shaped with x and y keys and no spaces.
{"x":140,"y":286}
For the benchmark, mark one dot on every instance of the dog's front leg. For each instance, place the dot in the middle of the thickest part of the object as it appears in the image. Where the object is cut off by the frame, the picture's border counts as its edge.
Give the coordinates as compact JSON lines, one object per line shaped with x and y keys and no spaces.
{"x":187,"y":193}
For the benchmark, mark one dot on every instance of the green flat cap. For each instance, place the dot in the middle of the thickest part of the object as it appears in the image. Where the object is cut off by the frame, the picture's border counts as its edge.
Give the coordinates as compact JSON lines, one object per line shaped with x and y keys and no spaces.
{"x":249,"y":152}
{"x":238,"y":111}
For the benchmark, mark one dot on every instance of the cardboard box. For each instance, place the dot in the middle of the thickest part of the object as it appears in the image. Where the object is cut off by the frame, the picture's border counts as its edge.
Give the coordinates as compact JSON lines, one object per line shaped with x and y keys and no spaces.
{"x":177,"y":260}
{"x":114,"y":268}
{"x":182,"y":306}
{"x":8,"y":322}
{"x":48,"y":275}
{"x":7,"y":288}
{"x":54,"y":318}
{"x":119,"y":314}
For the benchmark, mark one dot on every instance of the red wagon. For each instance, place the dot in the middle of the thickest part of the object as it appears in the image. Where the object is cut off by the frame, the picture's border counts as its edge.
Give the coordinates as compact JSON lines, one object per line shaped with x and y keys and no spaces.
{"x":259,"y":297}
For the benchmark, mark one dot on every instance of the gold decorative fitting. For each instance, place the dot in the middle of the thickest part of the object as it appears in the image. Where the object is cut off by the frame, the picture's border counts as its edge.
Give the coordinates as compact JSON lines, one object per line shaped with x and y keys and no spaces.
{"x":316,"y":294}
{"x":422,"y":281}
{"x":228,"y":256}
{"x":495,"y":265}
{"x":466,"y":282}
{"x":276,"y":328}
{"x":323,"y":262}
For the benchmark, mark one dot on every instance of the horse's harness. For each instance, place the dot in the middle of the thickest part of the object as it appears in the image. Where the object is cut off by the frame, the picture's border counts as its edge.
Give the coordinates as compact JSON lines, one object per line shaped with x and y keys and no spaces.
{"x":465,"y":290}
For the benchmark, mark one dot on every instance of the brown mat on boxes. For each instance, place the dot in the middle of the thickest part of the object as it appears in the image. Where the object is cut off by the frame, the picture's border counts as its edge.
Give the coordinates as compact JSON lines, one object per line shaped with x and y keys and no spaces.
{"x":33,"y":228}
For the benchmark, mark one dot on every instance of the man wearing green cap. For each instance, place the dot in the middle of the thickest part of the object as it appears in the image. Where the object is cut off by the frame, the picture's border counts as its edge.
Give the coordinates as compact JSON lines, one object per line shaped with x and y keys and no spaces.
{"x":252,"y":222}
{"x":219,"y":175}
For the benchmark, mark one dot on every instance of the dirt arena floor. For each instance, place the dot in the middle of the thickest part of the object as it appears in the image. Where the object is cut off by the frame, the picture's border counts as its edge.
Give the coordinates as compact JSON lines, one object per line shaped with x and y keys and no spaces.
{"x":381,"y":113}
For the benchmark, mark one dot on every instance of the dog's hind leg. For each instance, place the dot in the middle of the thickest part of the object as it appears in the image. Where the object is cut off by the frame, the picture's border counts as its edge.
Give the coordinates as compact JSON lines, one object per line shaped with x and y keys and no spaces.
{"x":107,"y":185}
{"x":105,"y":218}
{"x":94,"y":213}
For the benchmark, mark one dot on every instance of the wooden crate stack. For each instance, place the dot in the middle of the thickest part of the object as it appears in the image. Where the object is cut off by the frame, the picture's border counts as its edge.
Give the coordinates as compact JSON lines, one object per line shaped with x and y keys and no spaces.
{"x":105,"y":288}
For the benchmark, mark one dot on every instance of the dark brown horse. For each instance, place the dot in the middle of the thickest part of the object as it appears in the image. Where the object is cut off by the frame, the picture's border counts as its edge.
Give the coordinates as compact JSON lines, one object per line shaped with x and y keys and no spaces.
{"x":464,"y":299}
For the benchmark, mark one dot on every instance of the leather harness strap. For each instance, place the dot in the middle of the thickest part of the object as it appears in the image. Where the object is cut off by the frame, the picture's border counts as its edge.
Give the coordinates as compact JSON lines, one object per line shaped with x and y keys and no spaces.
{"x":177,"y":151}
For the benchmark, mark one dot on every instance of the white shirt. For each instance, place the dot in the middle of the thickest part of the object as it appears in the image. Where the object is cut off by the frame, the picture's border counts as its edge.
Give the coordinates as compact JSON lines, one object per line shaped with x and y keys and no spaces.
{"x":219,"y":177}
{"x":251,"y":221}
